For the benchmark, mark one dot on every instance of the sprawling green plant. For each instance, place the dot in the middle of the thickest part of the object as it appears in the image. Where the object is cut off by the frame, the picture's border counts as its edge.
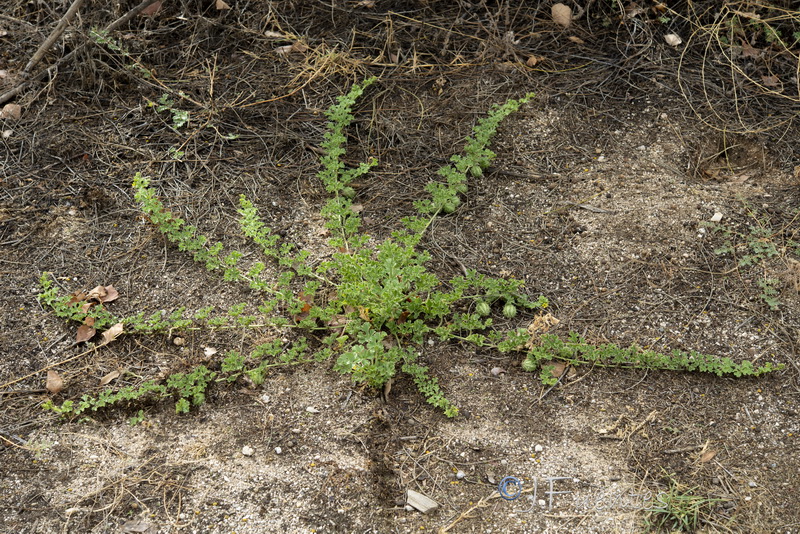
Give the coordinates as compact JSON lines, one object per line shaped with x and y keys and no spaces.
{"x":385,"y":302}
{"x":576,"y":351}
{"x":371,"y":305}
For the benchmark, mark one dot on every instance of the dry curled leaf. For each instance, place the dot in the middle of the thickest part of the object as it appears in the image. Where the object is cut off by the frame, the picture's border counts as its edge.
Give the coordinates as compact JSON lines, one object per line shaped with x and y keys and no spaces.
{"x":111,"y":294}
{"x":98,"y":294}
{"x":562,"y":15}
{"x":112,"y":333}
{"x":11,"y":111}
{"x":296,"y":46}
{"x":771,"y":81}
{"x":152,"y":9}
{"x":138,"y":527}
{"x":108,"y":378}
{"x":54,"y":383}
{"x":540,"y":325}
{"x":576,"y":40}
{"x":673,"y":39}
{"x":557,"y":367}
{"x":85,"y":333}
{"x":221,"y":5}
{"x":749,"y":51}
{"x":534,"y":60}
{"x":707,"y":456}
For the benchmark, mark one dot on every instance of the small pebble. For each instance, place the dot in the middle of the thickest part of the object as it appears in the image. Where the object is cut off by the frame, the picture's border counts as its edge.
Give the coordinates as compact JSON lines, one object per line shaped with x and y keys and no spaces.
{"x":278,"y":450}
{"x":178,"y":342}
{"x":311,"y":409}
{"x":247,"y":450}
{"x":460,"y":475}
{"x":538,"y":448}
{"x":752,"y":484}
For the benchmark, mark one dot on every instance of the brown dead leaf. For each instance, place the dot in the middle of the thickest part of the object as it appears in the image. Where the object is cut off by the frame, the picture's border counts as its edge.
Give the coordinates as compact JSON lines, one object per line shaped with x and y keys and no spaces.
{"x":707,"y":456}
{"x":562,"y":15}
{"x":54,"y":383}
{"x":576,"y":40}
{"x":557,"y":367}
{"x":98,"y":293}
{"x":89,"y":321}
{"x":112,"y":333}
{"x":297,"y":46}
{"x":364,"y":314}
{"x":633,"y":10}
{"x":541,"y":324}
{"x":269,"y":34}
{"x":366,"y":3}
{"x":221,"y":5}
{"x":11,"y":111}
{"x":792,"y":274}
{"x":308,"y":300}
{"x":137,"y":526}
{"x":111,"y":294}
{"x":357,"y":208}
{"x":152,"y":9}
{"x":85,"y":333}
{"x":771,"y":81}
{"x":534,"y":60}
{"x":749,"y":51}
{"x":337,"y":323}
{"x":108,"y":378}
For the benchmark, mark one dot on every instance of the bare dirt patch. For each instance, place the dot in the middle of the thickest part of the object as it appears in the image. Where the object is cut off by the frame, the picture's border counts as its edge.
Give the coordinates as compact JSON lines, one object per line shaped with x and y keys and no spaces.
{"x":612,"y":199}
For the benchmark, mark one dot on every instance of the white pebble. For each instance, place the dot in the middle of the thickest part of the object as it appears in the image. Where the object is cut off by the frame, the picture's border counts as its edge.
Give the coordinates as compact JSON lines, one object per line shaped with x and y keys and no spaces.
{"x":278,"y":450}
{"x":538,"y":448}
{"x":247,"y":450}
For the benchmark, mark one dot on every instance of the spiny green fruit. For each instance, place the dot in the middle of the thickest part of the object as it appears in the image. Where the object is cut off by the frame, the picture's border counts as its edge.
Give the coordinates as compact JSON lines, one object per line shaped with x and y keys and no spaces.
{"x":509,"y":310}
{"x":476,"y":171}
{"x":461,"y":188}
{"x":483,"y":308}
{"x":348,"y":192}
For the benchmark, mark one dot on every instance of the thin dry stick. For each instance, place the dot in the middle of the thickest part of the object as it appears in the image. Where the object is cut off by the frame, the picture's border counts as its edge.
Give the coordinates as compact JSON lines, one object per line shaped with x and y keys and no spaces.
{"x":54,"y":35}
{"x":11,"y":93}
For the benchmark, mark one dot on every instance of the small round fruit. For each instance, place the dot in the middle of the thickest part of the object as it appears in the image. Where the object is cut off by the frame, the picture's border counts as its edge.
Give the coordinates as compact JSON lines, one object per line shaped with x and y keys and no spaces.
{"x":509,"y":310}
{"x":483,"y":308}
{"x":348,"y":192}
{"x":476,"y":171}
{"x":461,"y":188}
